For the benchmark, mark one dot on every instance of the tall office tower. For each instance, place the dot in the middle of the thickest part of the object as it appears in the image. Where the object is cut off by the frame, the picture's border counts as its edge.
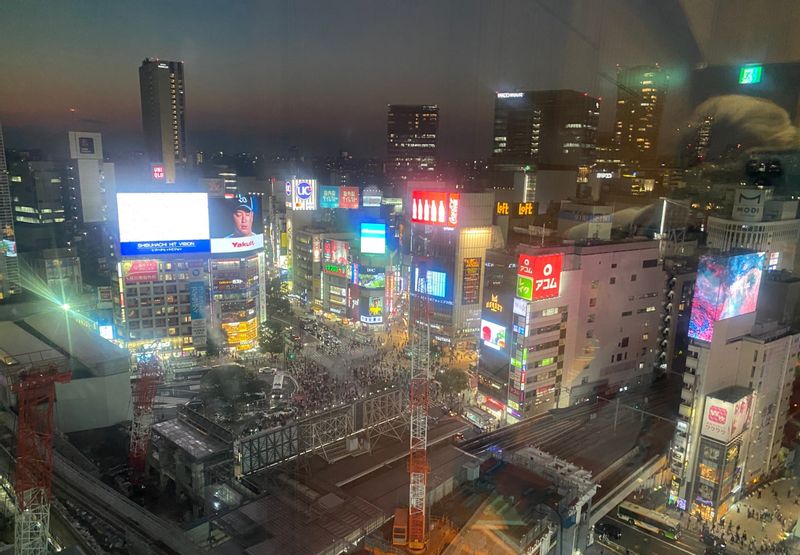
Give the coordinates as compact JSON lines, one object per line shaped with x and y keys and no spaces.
{"x":163,"y":114}
{"x":641,"y":92}
{"x":411,"y":138}
{"x":89,"y":179}
{"x":555,"y":128}
{"x":9,"y":267}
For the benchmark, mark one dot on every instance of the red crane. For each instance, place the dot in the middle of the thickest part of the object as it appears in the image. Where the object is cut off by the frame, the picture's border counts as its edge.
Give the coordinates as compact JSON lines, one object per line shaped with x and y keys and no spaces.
{"x":36,"y":392}
{"x":420,"y":337}
{"x":145,"y":386}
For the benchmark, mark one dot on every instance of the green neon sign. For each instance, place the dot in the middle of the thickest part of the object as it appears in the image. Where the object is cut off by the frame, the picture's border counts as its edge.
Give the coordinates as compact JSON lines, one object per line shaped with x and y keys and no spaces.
{"x":750,"y":74}
{"x":524,"y":288}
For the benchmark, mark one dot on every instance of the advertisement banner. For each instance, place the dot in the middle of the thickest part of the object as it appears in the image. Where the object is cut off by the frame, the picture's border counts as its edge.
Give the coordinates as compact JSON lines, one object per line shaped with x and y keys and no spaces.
{"x":236,"y":224}
{"x":104,"y":294}
{"x":328,"y":196}
{"x":724,"y":420}
{"x":163,"y":223}
{"x":372,"y":196}
{"x":304,"y":194}
{"x":435,"y":208}
{"x":544,"y":272}
{"x":197,"y":299}
{"x":334,"y":269}
{"x":372,"y":280}
{"x":471,"y":281}
{"x":139,"y":271}
{"x":493,"y":335}
{"x":349,"y":198}
{"x":373,"y":238}
{"x":336,"y":251}
{"x":374,"y":311}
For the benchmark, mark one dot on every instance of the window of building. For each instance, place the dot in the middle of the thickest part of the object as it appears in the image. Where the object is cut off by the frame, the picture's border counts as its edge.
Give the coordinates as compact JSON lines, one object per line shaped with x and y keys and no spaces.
{"x":612,"y":280}
{"x":633,"y":277}
{"x":650,"y":263}
{"x":624,"y":342}
{"x":645,"y":336}
{"x":593,"y":302}
{"x":595,"y":283}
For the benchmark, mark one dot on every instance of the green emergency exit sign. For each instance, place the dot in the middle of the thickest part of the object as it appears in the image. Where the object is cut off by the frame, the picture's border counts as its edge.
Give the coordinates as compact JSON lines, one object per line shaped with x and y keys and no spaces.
{"x":750,"y":74}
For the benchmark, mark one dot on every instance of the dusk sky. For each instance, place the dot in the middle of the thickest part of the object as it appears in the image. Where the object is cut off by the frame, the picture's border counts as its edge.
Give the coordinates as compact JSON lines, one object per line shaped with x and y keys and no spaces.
{"x":319,"y":73}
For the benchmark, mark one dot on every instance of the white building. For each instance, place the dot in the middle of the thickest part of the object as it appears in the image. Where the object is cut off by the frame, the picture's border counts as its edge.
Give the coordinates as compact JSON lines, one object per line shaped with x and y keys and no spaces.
{"x":760,"y":224}
{"x":586,"y":322}
{"x":88,"y":178}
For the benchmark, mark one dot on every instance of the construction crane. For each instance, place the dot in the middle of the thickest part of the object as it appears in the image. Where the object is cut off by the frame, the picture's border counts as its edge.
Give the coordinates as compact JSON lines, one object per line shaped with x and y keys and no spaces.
{"x":420,"y":337}
{"x":145,"y":386}
{"x":36,"y":392}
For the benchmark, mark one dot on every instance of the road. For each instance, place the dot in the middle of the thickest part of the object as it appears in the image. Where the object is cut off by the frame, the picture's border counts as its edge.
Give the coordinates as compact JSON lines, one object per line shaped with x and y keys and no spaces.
{"x":644,"y":543}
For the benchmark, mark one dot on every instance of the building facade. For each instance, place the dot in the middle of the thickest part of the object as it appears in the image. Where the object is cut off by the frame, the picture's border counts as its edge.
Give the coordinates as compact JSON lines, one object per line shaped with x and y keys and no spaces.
{"x":89,"y":179}
{"x":641,"y":94}
{"x":163,"y":95}
{"x":9,"y":265}
{"x":411,"y":139}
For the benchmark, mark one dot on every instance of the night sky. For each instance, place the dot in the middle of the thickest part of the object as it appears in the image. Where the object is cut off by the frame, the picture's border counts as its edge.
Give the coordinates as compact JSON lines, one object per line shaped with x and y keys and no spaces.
{"x":319,"y":73}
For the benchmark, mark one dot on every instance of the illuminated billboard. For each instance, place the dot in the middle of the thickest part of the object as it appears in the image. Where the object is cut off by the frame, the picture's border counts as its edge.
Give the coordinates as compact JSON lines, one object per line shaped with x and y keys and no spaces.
{"x":493,"y":335}
{"x":336,"y":251}
{"x":436,"y":283}
{"x":374,"y":311}
{"x":8,"y":248}
{"x":726,"y":420}
{"x":371,"y":278}
{"x":372,"y":196}
{"x":162,"y":223}
{"x":304,"y":194}
{"x":236,"y":224}
{"x":471,"y":281}
{"x":349,"y":197}
{"x":726,"y":286}
{"x":328,"y":196}
{"x":539,"y":277}
{"x":435,"y":208}
{"x":373,"y":238}
{"x":139,"y":271}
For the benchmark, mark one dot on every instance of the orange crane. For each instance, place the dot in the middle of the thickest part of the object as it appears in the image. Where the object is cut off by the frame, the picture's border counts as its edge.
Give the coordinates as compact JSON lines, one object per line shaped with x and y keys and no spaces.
{"x":144,"y":392}
{"x":36,"y":393}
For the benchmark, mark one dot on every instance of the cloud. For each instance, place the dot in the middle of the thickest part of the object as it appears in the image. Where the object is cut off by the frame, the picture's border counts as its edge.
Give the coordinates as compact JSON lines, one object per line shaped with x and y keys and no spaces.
{"x":754,"y":122}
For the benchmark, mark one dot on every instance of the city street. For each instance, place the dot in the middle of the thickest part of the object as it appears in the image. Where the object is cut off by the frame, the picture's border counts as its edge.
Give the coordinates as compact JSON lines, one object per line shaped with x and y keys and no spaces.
{"x":640,"y":542}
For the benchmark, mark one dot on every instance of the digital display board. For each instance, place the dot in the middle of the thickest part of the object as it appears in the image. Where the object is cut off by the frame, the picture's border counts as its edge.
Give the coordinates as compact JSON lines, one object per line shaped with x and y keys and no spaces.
{"x":336,"y":251}
{"x":371,"y":280}
{"x":435,"y":208}
{"x":373,"y":238}
{"x":304,"y":194}
{"x":726,"y":286}
{"x":139,"y":271}
{"x":371,"y":196}
{"x":236,"y":224}
{"x":328,"y":196}
{"x":197,"y":299}
{"x":8,"y":248}
{"x":334,"y":269}
{"x":349,"y":197}
{"x":493,"y":335}
{"x":750,"y":74}
{"x":436,"y":283}
{"x":374,"y":311}
{"x":725,"y":420}
{"x":163,"y":223}
{"x":471,"y":281}
{"x":539,"y":277}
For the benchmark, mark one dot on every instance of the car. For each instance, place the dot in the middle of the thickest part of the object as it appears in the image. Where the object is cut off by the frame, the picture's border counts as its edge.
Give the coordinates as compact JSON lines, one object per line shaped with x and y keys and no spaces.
{"x":710,"y":539}
{"x":608,"y":530}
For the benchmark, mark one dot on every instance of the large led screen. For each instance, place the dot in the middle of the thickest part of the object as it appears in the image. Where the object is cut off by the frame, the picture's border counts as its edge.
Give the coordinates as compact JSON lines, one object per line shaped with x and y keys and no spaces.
{"x":236,"y":224}
{"x":162,"y":223}
{"x":493,"y":335}
{"x":436,"y":283}
{"x":336,"y":251}
{"x":373,"y":238}
{"x":726,"y":286}
{"x":435,"y":208}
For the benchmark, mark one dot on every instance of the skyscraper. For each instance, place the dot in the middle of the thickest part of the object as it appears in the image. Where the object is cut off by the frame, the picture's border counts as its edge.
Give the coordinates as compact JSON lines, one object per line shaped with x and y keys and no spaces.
{"x":9,"y":267}
{"x":550,"y":128}
{"x":641,"y":92}
{"x":412,"y":133}
{"x":163,"y":114}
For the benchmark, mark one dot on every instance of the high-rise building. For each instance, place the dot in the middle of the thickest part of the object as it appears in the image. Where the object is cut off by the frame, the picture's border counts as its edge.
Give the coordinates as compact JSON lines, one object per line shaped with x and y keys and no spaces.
{"x":88,"y":179}
{"x":555,"y":128}
{"x":9,"y":266}
{"x":412,"y":134}
{"x":641,"y":92}
{"x":164,"y":114}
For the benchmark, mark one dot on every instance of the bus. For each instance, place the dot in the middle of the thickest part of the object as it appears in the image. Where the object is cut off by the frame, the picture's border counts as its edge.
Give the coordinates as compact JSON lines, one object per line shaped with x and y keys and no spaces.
{"x":277,"y":385}
{"x":647,"y":519}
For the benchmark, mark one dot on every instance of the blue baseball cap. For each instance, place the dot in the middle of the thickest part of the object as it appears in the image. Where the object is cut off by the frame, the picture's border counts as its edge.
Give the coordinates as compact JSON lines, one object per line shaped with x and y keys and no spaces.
{"x":245,"y":203}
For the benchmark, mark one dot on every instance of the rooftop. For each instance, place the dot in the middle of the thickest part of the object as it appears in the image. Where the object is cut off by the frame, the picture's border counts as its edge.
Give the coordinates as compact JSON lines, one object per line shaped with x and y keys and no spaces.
{"x":198,"y":445}
{"x":731,"y":394}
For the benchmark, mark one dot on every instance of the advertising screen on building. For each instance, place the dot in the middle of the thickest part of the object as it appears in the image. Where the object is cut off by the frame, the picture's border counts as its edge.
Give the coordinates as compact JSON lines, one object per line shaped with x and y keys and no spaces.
{"x":139,"y":271}
{"x":334,"y":269}
{"x":539,"y":277}
{"x":328,"y":196}
{"x":236,"y":224}
{"x":349,"y":197}
{"x":197,"y":299}
{"x":373,"y":238}
{"x":163,"y":223}
{"x":371,"y":278}
{"x":336,"y":251}
{"x":726,"y":286}
{"x":725,"y":420}
{"x":493,"y":335}
{"x":372,"y":196}
{"x":471,"y":281}
{"x":435,"y":283}
{"x":435,"y":208}
{"x":374,"y":313}
{"x":304,"y":194}
{"x":8,"y":248}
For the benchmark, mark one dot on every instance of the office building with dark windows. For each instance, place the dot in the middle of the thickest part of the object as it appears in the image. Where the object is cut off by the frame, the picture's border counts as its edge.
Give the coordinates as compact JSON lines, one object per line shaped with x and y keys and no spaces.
{"x":641,"y":93}
{"x":411,"y":139}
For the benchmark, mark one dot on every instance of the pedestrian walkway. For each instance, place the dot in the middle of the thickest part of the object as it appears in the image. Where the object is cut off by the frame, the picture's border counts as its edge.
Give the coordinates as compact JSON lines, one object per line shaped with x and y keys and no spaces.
{"x":758,"y":523}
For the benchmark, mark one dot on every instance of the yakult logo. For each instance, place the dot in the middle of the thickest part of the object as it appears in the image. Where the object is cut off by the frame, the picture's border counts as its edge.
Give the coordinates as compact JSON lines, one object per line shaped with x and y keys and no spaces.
{"x":718,"y":415}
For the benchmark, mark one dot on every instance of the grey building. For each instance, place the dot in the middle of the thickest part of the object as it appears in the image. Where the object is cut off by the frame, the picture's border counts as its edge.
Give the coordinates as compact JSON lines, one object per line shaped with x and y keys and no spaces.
{"x":9,"y":266}
{"x":411,"y":139}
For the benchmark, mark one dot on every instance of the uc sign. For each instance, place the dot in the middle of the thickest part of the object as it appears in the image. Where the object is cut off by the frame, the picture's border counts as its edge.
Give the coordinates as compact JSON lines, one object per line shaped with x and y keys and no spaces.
{"x":304,"y":190}
{"x":544,"y":271}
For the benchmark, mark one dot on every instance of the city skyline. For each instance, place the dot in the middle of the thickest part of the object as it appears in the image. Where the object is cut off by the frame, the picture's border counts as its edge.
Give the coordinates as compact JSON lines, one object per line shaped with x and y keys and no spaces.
{"x":260,"y":90}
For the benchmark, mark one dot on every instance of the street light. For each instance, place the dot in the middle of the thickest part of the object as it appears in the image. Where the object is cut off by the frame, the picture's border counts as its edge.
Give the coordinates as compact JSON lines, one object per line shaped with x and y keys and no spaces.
{"x":65,"y":307}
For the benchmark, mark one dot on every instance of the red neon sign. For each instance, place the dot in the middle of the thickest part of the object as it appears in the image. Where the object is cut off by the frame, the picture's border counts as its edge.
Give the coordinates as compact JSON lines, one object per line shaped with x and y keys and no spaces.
{"x":545,"y":271}
{"x":435,"y":208}
{"x":157,"y":171}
